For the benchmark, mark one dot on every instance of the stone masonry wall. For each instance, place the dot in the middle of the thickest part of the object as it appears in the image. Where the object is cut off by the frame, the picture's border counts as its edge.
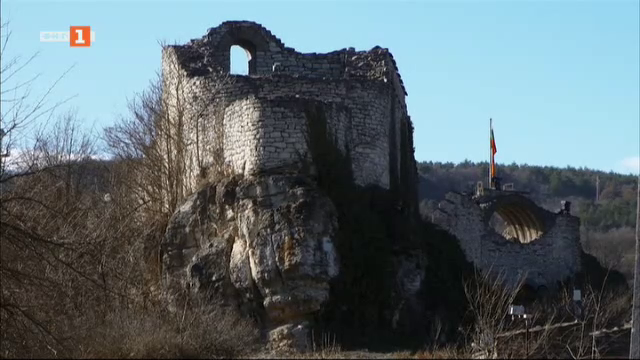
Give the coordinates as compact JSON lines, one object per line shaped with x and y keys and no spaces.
{"x":242,"y":134}
{"x":262,"y":117}
{"x":553,"y":257}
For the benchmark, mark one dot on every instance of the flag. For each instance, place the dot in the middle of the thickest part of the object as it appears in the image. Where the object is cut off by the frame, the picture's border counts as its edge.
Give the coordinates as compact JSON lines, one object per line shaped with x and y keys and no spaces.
{"x":494,"y":150}
{"x":493,"y":168}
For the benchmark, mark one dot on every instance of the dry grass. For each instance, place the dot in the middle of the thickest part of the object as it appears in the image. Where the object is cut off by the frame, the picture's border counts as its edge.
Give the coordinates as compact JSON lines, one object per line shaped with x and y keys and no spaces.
{"x":327,"y":348}
{"x":337,"y":353}
{"x":439,"y":353}
{"x":161,"y":334}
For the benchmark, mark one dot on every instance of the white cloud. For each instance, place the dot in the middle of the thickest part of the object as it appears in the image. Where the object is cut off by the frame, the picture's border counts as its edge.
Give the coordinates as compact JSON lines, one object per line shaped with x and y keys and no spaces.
{"x":21,"y":160}
{"x":630,"y":164}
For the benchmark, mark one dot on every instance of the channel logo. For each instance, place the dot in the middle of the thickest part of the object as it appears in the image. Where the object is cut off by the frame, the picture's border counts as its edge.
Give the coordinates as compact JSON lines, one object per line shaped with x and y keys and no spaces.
{"x":77,"y":36}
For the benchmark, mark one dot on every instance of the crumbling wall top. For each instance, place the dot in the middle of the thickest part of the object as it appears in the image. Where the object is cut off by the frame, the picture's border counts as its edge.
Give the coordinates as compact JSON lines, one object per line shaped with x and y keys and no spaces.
{"x":229,"y":32}
{"x":266,"y":53}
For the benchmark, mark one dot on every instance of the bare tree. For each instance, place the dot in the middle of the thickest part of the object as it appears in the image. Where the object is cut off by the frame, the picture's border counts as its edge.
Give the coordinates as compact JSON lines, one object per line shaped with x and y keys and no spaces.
{"x":43,"y":230}
{"x":54,"y":240}
{"x":21,"y":108}
{"x":72,"y":250}
{"x":22,"y":242}
{"x":171,"y":140}
{"x":174,"y":134}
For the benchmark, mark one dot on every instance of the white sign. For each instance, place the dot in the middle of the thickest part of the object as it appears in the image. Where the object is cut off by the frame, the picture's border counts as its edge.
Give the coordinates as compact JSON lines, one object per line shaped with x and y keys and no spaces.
{"x":516,"y":310}
{"x":577,"y":295}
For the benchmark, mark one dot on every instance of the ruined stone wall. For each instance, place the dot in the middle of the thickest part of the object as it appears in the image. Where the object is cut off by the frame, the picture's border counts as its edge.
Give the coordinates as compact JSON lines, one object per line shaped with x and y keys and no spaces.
{"x":358,"y":116}
{"x":243,"y":134}
{"x":261,"y":116}
{"x":553,"y":257}
{"x":265,"y":126}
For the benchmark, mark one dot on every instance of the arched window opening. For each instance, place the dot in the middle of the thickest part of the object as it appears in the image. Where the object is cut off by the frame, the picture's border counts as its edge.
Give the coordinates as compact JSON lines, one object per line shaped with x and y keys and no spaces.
{"x":239,"y":62}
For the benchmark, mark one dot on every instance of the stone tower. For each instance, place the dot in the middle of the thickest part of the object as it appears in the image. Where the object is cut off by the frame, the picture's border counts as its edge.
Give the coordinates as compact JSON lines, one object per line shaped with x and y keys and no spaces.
{"x":261,"y":233}
{"x":256,"y":123}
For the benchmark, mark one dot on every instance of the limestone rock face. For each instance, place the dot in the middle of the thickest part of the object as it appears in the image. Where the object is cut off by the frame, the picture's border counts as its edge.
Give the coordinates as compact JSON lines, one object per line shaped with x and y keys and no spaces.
{"x":264,"y":245}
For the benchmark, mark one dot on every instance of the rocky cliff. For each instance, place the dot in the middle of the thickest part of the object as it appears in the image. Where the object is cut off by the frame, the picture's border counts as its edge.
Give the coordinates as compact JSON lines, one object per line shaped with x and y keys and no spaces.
{"x":265,"y":245}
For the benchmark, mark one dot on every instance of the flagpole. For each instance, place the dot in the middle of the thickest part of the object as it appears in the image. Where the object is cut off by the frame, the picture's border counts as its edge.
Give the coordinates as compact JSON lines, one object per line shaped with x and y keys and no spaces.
{"x":490,"y":153}
{"x":634,"y":347}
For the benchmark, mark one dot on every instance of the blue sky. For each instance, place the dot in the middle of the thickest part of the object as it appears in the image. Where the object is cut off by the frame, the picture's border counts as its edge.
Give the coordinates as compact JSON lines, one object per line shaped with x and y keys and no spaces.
{"x":559,"y":78}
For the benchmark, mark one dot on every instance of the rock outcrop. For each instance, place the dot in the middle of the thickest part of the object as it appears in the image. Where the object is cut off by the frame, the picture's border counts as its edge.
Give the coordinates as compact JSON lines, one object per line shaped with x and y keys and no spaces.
{"x":263,"y":245}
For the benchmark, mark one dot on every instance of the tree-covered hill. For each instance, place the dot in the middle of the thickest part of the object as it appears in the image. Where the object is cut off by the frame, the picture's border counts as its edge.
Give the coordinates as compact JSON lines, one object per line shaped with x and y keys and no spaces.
{"x":615,"y":207}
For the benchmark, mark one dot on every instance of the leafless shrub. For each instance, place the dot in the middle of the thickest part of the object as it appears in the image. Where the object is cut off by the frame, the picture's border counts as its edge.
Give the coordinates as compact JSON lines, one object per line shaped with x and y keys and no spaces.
{"x":560,"y":327}
{"x":73,"y":252}
{"x":194,"y":332}
{"x":45,"y":240}
{"x":170,"y":143}
{"x":600,"y":309}
{"x":489,"y":298}
{"x":66,"y":253}
{"x":327,"y":348}
{"x":73,"y":269}
{"x":437,"y":353}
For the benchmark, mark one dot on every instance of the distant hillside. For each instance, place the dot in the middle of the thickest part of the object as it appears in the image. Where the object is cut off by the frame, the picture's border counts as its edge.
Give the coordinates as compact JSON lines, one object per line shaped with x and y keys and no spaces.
{"x":548,"y":186}
{"x":608,"y":224}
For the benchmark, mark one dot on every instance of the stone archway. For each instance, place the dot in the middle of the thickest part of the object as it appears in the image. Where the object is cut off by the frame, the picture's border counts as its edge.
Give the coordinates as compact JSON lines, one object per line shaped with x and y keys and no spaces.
{"x":516,"y":220}
{"x":545,"y":245}
{"x":250,"y":37}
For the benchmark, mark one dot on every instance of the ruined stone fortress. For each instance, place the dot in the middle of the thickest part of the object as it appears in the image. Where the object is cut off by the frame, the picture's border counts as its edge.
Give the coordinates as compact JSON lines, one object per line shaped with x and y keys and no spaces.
{"x":258,"y":121}
{"x":254,"y":227}
{"x":263,"y":235}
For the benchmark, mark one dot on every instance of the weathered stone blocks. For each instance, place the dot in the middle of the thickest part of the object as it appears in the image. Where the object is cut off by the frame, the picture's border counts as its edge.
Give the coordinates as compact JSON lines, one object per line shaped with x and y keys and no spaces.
{"x":552,"y":257}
